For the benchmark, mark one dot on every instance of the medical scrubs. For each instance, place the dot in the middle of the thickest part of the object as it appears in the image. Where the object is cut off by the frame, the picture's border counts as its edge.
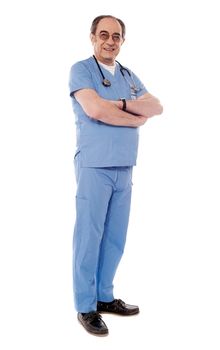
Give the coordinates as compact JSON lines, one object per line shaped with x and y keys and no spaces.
{"x":104,"y":159}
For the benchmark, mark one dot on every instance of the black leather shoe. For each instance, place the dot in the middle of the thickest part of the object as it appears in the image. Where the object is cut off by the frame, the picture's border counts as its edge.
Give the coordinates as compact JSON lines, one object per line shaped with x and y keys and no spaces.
{"x":117,"y":306}
{"x":93,"y":323}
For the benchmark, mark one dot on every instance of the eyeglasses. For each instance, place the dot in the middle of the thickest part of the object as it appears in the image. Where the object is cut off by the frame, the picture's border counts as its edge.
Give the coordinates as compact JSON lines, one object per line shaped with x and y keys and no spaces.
{"x":105,"y":36}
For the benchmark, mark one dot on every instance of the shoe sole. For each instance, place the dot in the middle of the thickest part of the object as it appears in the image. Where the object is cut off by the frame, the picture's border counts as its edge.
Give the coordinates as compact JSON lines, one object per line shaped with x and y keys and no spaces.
{"x":118,"y":314}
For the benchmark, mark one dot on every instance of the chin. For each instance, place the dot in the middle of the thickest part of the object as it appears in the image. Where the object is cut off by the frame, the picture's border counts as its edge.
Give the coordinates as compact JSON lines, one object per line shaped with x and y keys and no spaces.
{"x":108,"y":58}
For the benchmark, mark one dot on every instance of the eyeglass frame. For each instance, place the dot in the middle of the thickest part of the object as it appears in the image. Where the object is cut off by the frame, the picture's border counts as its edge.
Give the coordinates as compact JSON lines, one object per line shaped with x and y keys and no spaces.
{"x":118,"y":37}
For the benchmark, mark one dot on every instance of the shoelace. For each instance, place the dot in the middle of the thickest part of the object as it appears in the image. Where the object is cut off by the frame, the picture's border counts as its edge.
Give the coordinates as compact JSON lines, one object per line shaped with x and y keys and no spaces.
{"x":92,"y":315}
{"x":120,"y":302}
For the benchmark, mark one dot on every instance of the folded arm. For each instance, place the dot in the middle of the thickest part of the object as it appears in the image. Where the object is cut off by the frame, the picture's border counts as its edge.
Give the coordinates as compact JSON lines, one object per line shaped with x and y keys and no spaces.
{"x":109,"y":112}
{"x":146,"y":105}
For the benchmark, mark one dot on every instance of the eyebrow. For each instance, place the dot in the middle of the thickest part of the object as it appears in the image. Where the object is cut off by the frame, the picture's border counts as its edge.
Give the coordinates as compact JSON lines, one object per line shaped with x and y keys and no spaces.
{"x":105,"y":31}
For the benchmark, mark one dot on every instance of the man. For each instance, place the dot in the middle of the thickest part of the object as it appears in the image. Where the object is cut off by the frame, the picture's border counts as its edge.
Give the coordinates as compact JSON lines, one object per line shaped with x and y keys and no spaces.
{"x":109,"y":103}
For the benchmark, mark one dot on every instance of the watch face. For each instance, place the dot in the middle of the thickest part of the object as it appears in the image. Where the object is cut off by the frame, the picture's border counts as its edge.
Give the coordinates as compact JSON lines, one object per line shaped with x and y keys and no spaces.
{"x":124,"y":103}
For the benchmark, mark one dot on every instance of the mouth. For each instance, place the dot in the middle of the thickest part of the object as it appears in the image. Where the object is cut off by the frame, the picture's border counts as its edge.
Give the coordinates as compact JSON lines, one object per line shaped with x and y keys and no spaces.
{"x":109,"y":49}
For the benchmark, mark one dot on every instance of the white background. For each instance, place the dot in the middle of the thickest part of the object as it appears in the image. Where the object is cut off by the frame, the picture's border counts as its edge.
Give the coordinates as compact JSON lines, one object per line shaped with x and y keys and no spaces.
{"x":171,"y":263}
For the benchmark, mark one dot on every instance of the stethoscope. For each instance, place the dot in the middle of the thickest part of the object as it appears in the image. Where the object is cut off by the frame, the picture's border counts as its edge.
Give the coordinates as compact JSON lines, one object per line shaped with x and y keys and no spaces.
{"x":107,"y":82}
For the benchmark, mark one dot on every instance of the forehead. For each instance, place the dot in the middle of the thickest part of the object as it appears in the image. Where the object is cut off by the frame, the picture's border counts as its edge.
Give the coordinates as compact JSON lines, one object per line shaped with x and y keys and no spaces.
{"x":111,"y":25}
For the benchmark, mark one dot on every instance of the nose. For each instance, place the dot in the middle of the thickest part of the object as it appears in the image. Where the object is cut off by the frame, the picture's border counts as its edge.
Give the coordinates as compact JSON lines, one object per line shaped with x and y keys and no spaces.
{"x":110,"y":41}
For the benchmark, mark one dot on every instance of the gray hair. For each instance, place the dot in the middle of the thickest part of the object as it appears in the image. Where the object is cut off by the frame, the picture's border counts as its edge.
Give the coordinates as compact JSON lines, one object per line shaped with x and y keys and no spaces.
{"x":96,"y":21}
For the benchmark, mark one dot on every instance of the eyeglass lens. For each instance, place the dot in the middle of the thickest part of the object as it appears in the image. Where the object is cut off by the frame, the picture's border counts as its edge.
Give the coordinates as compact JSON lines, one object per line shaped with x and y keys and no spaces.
{"x":105,"y":36}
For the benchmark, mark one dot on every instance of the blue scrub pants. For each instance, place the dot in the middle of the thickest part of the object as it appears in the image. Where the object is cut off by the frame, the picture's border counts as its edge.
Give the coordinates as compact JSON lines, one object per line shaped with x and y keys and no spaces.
{"x":102,"y":212}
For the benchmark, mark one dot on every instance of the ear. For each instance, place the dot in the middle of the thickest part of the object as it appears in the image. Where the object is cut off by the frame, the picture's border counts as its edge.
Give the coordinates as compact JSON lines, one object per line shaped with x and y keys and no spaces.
{"x":92,"y":38}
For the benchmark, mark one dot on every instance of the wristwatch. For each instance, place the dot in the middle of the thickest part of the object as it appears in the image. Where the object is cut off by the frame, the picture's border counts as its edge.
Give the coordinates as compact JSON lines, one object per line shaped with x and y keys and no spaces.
{"x":124,"y":104}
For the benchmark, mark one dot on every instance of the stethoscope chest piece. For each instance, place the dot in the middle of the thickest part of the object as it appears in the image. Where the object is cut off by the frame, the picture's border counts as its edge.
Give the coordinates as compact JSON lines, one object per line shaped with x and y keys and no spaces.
{"x":106,"y":82}
{"x":134,"y":89}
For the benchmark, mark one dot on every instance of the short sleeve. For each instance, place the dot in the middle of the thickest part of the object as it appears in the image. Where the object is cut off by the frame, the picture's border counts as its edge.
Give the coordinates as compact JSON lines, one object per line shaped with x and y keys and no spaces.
{"x":140,"y":86}
{"x":80,"y":78}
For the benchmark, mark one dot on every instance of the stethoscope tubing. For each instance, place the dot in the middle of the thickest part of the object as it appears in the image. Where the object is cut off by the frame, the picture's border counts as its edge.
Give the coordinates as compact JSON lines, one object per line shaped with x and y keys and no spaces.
{"x":107,"y":83}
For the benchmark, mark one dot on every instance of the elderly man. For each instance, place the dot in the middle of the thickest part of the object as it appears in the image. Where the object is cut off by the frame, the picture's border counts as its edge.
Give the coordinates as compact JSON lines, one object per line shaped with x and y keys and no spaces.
{"x":110,"y":104}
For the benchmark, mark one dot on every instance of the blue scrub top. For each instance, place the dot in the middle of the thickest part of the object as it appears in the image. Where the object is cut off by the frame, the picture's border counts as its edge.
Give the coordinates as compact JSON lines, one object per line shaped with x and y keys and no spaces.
{"x":100,"y":144}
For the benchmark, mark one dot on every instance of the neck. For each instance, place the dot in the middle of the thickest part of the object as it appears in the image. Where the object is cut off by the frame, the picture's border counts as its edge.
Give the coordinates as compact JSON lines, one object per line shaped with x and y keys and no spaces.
{"x":107,"y":65}
{"x":107,"y":61}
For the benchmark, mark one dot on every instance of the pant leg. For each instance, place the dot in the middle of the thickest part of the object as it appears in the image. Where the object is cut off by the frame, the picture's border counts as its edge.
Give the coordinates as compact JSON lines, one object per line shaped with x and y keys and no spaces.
{"x":94,"y":191}
{"x":114,"y":237}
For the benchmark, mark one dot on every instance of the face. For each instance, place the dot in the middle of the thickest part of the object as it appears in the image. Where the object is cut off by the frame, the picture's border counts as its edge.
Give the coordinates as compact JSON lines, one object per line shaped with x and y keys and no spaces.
{"x":107,"y":40}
